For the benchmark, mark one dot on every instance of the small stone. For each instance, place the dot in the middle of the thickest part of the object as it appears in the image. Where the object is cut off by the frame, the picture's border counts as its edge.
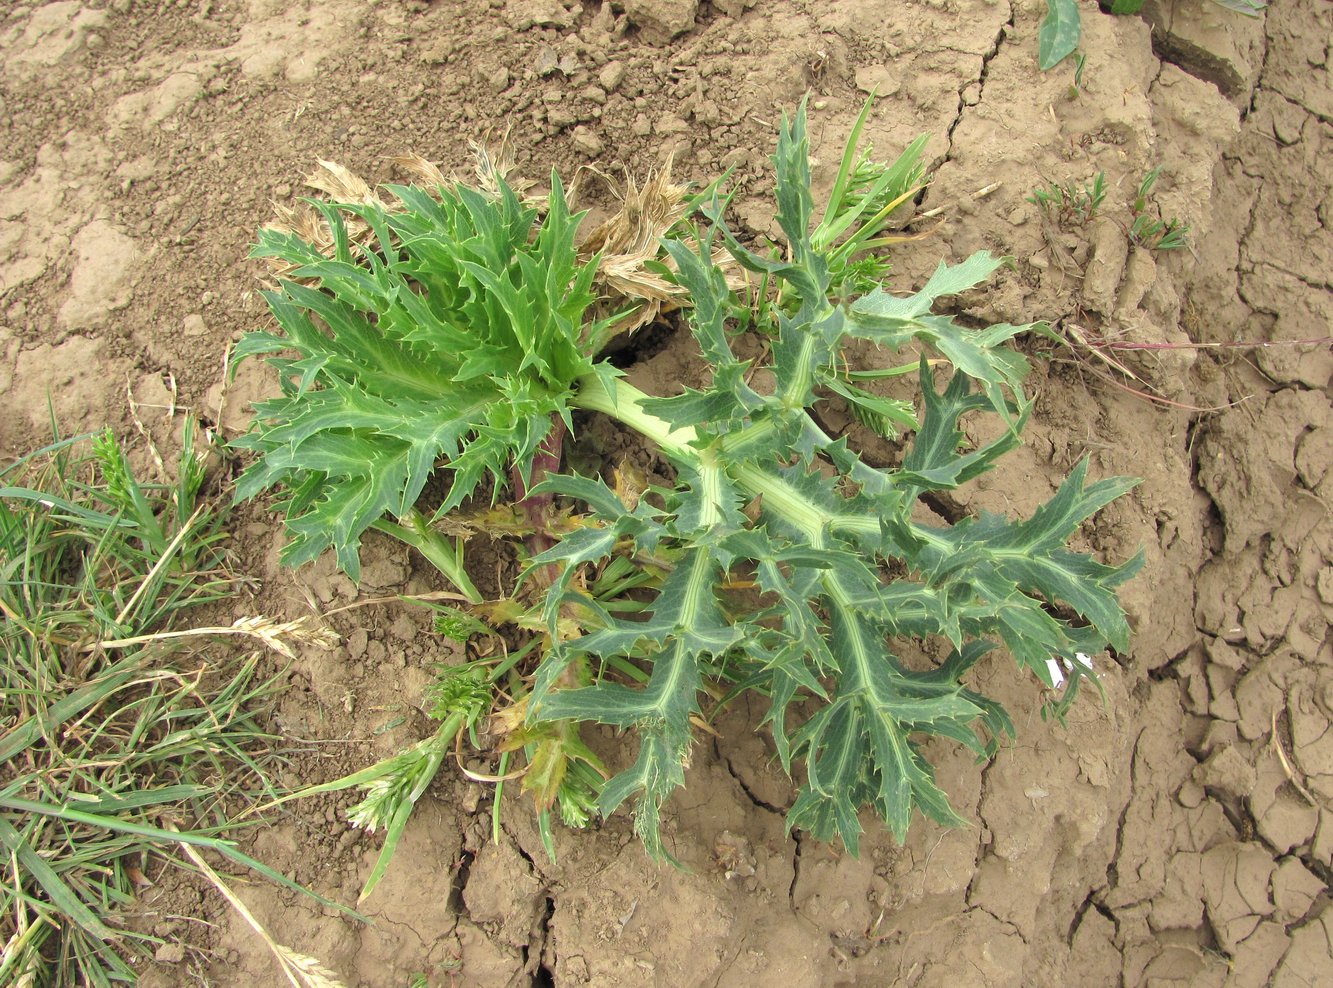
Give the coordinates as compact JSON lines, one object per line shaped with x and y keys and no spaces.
{"x":1284,"y":819}
{"x":1314,"y":460}
{"x":384,"y":573}
{"x":604,"y":21}
{"x":595,"y":94}
{"x":169,"y":953}
{"x":560,"y":117}
{"x":1283,"y":132}
{"x":1222,"y":689}
{"x":661,"y":20}
{"x":1227,"y":771}
{"x":587,"y":142}
{"x":546,"y":62}
{"x":1294,"y":889}
{"x":733,"y":8}
{"x":879,"y":79}
{"x":707,"y":113}
{"x":1222,"y":654}
{"x":523,"y":14}
{"x":1110,"y":250}
{"x":194,"y":325}
{"x":641,"y":127}
{"x":612,"y":74}
{"x":669,"y":123}
{"x":499,"y":79}
{"x":758,"y":217}
{"x":1191,"y":794}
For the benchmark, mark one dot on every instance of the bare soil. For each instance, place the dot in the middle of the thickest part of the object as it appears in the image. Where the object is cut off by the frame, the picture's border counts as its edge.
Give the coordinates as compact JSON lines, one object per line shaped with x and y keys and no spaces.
{"x":1181,"y":834}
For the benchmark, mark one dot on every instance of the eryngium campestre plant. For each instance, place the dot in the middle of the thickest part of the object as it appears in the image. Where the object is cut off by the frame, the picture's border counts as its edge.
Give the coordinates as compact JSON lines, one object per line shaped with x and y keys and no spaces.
{"x":453,"y":339}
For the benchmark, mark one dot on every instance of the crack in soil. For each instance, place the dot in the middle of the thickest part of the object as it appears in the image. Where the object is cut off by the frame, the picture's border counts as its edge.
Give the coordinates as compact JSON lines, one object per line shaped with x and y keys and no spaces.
{"x":462,"y":870}
{"x":982,"y":850}
{"x":1259,"y":77}
{"x":408,"y":929}
{"x":986,"y":58}
{"x":1090,"y":903}
{"x":1170,"y":669}
{"x":795,"y":869}
{"x":522,"y":851}
{"x":536,"y":963}
{"x":1003,"y":922}
{"x":1321,"y":117}
{"x":1322,"y":286}
{"x":763,"y":804}
{"x":1113,"y":866}
{"x":538,"y":954}
{"x":1191,"y":59}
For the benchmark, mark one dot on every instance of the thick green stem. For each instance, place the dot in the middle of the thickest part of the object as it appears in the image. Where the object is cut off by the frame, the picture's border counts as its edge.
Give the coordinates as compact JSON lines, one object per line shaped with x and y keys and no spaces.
{"x":445,"y":556}
{"x":625,"y":405}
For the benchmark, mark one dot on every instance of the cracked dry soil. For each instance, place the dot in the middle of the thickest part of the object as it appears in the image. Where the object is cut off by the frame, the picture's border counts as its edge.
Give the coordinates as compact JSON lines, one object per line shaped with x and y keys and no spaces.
{"x":1180,"y":834}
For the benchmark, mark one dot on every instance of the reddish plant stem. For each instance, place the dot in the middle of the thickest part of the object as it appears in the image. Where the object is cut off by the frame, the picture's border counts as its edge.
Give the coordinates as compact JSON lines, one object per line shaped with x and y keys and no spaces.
{"x":536,"y":508}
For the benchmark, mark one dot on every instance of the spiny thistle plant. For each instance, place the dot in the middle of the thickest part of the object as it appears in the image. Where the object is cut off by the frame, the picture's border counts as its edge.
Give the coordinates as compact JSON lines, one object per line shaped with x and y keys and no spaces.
{"x":779,"y":561}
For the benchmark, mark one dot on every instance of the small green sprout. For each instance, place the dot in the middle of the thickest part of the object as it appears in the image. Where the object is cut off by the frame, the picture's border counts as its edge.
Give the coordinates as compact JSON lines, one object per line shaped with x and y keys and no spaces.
{"x":1071,"y":204}
{"x":1149,"y":231}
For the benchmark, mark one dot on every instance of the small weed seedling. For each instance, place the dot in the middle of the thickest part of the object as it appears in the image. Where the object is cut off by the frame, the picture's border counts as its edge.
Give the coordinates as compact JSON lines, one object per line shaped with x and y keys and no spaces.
{"x":1148,"y":230}
{"x":452,"y":329}
{"x":1070,"y":204}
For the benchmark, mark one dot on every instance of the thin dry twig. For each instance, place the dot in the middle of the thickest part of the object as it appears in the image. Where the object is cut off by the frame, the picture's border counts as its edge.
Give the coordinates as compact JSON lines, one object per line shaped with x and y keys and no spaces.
{"x":301,"y":970}
{"x":162,"y":560}
{"x":478,"y":776}
{"x":1286,"y":764}
{"x":371,"y":601}
{"x":981,"y":193}
{"x":274,"y":634}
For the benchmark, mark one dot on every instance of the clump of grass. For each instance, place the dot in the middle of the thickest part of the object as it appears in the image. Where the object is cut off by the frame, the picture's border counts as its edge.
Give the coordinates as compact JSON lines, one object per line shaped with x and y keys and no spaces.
{"x":1071,"y":204}
{"x":1149,"y":230}
{"x":114,"y":757}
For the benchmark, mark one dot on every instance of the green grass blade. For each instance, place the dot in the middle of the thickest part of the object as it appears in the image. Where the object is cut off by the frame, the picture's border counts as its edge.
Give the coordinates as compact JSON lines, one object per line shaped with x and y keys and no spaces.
{"x":845,"y":167}
{"x":159,"y":835}
{"x":32,"y":730}
{"x":61,"y":895}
